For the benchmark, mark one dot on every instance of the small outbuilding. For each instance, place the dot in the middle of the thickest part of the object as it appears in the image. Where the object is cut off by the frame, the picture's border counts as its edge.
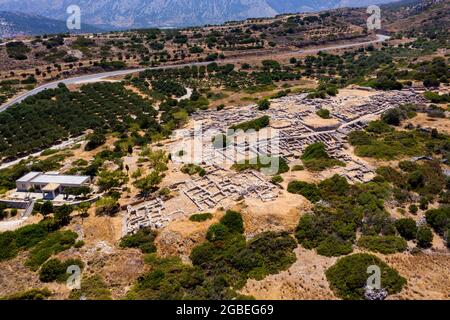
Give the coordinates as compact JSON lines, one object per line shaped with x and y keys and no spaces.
{"x":50,"y":184}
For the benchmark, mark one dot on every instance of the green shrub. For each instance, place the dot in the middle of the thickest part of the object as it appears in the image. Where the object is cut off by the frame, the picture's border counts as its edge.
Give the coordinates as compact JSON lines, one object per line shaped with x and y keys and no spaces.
{"x":108,"y":180}
{"x":333,"y":247}
{"x":315,"y":151}
{"x":51,"y":270}
{"x":308,"y":190}
{"x":143,"y":239}
{"x":390,"y":144}
{"x":217,"y":232}
{"x":439,"y":219}
{"x":267,"y":253}
{"x":424,"y":237}
{"x":94,"y":141}
{"x":336,"y":186}
{"x":46,"y":208}
{"x":92,"y":288}
{"x":277,"y":179}
{"x":378,"y":222}
{"x":79,"y":244}
{"x":434,"y":97}
{"x":233,"y":221}
{"x":310,"y":232}
{"x":413,"y":209}
{"x":34,"y":294}
{"x":54,"y":243}
{"x":256,"y":124}
{"x":230,"y":224}
{"x":17,"y":50}
{"x":323,"y":90}
{"x":298,"y":167}
{"x":111,"y":65}
{"x":324,"y":113}
{"x":407,"y":228}
{"x":147,"y":184}
{"x":348,"y":277}
{"x":393,"y":116}
{"x":61,"y":216}
{"x":3,"y":214}
{"x":326,"y":227}
{"x":385,"y":83}
{"x":107,"y":206}
{"x":203,"y":253}
{"x":424,"y":202}
{"x":55,"y":270}
{"x":263,"y":105}
{"x":385,"y":245}
{"x":379,"y":127}
{"x":200,"y":217}
{"x":278,"y":164}
{"x":192,"y":169}
{"x":11,"y":242}
{"x":448,"y":238}
{"x":316,"y":158}
{"x":317,"y":95}
{"x":226,"y":251}
{"x":8,"y":247}
{"x":416,"y":180}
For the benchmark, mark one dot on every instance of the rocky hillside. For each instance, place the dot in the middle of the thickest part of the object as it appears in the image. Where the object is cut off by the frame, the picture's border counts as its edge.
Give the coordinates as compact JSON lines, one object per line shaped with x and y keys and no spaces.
{"x":418,"y":15}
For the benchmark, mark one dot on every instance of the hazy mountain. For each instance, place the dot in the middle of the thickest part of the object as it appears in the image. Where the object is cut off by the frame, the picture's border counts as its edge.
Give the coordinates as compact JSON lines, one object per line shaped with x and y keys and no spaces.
{"x":172,"y":13}
{"x":292,"y":6}
{"x":16,"y":23}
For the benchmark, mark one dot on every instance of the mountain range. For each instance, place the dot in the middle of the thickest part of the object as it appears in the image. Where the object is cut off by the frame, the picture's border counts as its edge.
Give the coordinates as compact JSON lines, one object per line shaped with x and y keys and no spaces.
{"x":125,"y":14}
{"x":18,"y":23}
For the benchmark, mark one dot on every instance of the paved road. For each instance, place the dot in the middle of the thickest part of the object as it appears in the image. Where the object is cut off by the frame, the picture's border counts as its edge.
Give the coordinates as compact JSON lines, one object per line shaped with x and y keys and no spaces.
{"x":100,"y":76}
{"x":380,"y":38}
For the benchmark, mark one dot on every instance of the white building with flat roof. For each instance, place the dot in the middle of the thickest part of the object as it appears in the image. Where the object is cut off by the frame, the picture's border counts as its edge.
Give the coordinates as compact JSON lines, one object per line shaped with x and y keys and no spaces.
{"x":51,"y":184}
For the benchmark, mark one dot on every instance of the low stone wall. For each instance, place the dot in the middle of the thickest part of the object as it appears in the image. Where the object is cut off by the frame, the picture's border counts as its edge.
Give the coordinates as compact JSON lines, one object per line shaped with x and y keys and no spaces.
{"x":76,"y":203}
{"x":16,"y":204}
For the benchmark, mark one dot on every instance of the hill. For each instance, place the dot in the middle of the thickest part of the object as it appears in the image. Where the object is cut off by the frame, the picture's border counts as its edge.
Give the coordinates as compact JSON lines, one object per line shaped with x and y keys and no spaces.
{"x":418,"y":16}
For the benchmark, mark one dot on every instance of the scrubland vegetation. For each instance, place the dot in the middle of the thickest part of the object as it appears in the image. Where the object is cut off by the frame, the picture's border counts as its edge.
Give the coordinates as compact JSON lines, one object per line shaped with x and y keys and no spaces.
{"x":348,"y":277}
{"x":220,"y":265}
{"x":143,"y":239}
{"x":41,"y":240}
{"x":263,"y":162}
{"x":316,"y":158}
{"x":200,"y":217}
{"x":256,"y":124}
{"x":381,"y":141}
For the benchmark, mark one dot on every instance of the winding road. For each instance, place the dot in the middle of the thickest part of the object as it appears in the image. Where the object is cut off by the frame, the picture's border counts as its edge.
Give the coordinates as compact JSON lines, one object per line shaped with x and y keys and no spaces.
{"x":103,"y":75}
